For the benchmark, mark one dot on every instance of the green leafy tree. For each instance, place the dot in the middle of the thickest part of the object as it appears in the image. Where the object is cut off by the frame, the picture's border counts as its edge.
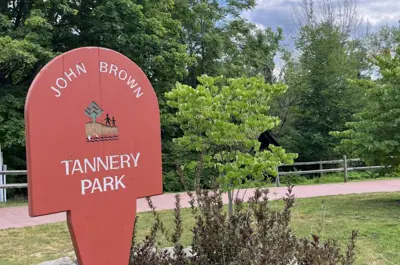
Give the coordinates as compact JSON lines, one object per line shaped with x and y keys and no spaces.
{"x":24,"y":46}
{"x":170,"y":40}
{"x":286,"y":106}
{"x":319,"y":98}
{"x":219,"y":42}
{"x":222,"y":120}
{"x":33,"y":32}
{"x":324,"y":100}
{"x":374,"y":134}
{"x":250,"y":51}
{"x":144,"y":31}
{"x":387,"y":38}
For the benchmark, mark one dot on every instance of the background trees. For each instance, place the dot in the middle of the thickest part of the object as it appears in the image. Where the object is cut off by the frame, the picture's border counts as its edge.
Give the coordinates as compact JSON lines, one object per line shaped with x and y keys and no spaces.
{"x":219,"y":42}
{"x":222,"y":42}
{"x":320,"y":99}
{"x":170,"y":40}
{"x":32,"y":32}
{"x":326,"y":100}
{"x":179,"y":40}
{"x":374,"y":133}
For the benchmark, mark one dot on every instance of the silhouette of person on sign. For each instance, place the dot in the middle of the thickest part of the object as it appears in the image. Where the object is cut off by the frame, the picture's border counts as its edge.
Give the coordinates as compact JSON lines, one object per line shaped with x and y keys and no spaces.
{"x":113,"y":122}
{"x":108,"y":121}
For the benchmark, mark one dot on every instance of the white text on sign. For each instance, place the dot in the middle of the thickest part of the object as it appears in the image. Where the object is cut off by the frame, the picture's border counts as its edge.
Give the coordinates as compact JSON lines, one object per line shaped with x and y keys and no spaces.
{"x":97,"y":164}
{"x":79,"y":70}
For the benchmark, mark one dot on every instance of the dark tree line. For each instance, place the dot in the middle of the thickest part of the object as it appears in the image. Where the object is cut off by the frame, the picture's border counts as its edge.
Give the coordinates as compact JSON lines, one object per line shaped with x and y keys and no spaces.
{"x":179,"y":40}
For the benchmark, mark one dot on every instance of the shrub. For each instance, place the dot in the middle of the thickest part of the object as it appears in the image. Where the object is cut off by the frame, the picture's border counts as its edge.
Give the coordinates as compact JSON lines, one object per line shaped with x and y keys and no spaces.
{"x":254,"y":234}
{"x":294,"y":179}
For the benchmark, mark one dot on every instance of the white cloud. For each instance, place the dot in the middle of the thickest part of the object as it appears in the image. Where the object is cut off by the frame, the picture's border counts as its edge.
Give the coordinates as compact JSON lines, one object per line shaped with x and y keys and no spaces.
{"x":379,"y":12}
{"x":276,"y":13}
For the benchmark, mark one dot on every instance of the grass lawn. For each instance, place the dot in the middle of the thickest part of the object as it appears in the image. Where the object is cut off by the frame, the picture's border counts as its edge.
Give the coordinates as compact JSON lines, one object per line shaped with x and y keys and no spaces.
{"x":376,"y":216}
{"x":14,"y":202}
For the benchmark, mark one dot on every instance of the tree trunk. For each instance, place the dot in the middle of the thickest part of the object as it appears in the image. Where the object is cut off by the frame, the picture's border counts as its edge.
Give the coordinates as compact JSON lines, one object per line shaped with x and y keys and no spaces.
{"x":20,"y":13}
{"x":202,"y":47}
{"x":230,"y":203}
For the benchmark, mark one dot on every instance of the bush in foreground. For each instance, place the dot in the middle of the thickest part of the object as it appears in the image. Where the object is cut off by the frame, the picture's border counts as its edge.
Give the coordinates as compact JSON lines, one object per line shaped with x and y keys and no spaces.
{"x":255,"y":234}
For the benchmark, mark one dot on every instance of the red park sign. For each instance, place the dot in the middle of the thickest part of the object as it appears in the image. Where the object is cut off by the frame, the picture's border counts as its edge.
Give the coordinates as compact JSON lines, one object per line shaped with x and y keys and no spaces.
{"x":93,"y":142}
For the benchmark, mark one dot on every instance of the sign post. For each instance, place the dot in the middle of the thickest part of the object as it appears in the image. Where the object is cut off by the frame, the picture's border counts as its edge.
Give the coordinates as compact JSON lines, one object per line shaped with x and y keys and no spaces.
{"x":93,"y":147}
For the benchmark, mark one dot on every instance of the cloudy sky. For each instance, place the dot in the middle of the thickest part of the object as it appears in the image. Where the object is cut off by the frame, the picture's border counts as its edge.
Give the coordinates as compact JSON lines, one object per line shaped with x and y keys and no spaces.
{"x":276,"y":13}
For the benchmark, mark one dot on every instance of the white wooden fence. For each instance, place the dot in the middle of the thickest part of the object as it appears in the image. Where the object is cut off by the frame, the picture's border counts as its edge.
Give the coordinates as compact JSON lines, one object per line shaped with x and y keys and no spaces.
{"x":344,"y":162}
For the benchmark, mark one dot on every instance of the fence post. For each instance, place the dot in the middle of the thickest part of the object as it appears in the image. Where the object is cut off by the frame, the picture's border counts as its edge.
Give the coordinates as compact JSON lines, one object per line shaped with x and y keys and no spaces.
{"x":320,"y":168}
{"x":5,"y":182}
{"x":345,"y":168}
{"x":1,"y":176}
{"x":277,"y":181}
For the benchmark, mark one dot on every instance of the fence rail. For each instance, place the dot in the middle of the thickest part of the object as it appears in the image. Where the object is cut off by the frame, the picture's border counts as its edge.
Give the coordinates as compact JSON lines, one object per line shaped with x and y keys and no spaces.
{"x":331,"y":170}
{"x":344,"y":162}
{"x":345,"y":169}
{"x":14,"y":186}
{"x":14,"y":172}
{"x":321,"y":162}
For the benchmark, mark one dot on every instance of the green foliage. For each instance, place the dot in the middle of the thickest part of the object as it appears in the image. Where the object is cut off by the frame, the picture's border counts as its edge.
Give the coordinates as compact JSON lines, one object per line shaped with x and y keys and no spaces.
{"x":387,"y":38}
{"x":222,"y":120}
{"x":179,"y":40}
{"x":172,"y":41}
{"x":33,"y":32}
{"x":250,"y":51}
{"x":221,"y":42}
{"x":319,"y":99}
{"x":25,"y":44}
{"x":373,"y":135}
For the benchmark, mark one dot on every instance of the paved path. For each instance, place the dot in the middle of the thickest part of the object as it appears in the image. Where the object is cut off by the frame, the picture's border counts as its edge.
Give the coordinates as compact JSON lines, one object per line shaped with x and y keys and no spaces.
{"x":18,"y":216}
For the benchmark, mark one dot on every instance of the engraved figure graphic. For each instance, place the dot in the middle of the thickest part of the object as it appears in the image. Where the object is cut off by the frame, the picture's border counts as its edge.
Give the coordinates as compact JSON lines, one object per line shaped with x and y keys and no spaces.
{"x":93,"y":111}
{"x":107,"y":119}
{"x":97,"y":131}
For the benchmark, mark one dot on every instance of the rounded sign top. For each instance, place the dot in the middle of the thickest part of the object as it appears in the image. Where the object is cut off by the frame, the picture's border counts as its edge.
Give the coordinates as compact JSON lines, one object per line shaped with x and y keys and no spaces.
{"x":93,"y":133}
